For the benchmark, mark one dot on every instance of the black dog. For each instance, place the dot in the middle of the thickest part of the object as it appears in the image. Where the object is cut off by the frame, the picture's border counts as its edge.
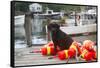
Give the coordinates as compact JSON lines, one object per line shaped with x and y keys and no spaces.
{"x":59,"y":38}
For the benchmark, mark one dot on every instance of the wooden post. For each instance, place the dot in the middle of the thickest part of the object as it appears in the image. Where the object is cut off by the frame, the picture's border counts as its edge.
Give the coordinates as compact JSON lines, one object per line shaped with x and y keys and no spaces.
{"x":75,"y":19}
{"x":46,"y":32}
{"x":28,"y":29}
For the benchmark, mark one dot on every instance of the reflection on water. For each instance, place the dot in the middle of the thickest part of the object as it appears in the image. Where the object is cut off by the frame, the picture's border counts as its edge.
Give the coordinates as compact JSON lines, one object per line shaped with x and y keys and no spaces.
{"x":39,"y":34}
{"x":39,"y":40}
{"x":85,"y":37}
{"x":37,"y":24}
{"x":20,"y":43}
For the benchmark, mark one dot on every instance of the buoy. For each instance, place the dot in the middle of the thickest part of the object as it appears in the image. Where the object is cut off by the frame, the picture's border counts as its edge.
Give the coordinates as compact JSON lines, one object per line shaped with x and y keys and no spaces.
{"x":63,"y":54}
{"x":87,"y":55}
{"x":49,"y":44}
{"x":72,"y":50}
{"x":94,"y":55}
{"x":49,"y":50}
{"x":88,"y":44}
{"x":76,"y":46}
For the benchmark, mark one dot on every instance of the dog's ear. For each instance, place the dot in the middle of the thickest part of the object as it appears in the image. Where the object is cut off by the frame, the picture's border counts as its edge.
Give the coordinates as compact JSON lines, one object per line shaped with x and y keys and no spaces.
{"x":49,"y":26}
{"x":53,"y":25}
{"x":57,"y":25}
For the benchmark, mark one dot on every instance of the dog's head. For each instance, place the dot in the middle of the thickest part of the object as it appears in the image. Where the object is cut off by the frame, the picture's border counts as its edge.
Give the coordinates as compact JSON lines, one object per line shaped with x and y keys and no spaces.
{"x":53,"y":27}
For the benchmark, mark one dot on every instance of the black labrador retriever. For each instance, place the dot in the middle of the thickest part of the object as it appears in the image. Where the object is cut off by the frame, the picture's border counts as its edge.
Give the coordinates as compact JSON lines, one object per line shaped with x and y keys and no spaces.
{"x":59,"y":38}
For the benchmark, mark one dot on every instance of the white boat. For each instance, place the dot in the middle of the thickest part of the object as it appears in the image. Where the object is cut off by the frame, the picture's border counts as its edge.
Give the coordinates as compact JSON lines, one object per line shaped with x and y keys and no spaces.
{"x":20,"y":32}
{"x":80,"y":29}
{"x":19,"y":26}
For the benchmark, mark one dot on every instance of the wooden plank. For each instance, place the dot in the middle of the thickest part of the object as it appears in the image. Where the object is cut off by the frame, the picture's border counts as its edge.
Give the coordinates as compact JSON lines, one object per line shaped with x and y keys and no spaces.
{"x":27,"y":58}
{"x":79,"y":29}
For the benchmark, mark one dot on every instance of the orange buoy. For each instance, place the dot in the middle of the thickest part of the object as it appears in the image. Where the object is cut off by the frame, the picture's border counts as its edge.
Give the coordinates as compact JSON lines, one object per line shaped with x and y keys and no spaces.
{"x":83,"y":52}
{"x":52,"y":44}
{"x":49,"y":44}
{"x":49,"y":50}
{"x":77,"y":47}
{"x":94,"y":55}
{"x":44,"y":51}
{"x":63,"y":54}
{"x":88,"y":44}
{"x":87,"y":55}
{"x":72,"y":50}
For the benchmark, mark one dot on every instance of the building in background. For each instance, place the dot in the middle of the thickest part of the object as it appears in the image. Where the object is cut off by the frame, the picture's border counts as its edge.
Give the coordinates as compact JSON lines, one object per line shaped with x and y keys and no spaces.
{"x":35,"y":7}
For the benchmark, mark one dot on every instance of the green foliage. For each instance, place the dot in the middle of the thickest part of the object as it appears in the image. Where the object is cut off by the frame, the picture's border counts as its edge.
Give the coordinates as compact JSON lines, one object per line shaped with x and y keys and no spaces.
{"x":24,"y":7}
{"x":62,"y":21}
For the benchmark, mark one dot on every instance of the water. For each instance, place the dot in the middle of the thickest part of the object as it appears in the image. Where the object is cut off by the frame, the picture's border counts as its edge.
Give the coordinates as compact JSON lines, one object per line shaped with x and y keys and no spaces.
{"x":20,"y":43}
{"x":37,"y":24}
{"x":38,"y":35}
{"x":37,"y":40}
{"x":81,"y":38}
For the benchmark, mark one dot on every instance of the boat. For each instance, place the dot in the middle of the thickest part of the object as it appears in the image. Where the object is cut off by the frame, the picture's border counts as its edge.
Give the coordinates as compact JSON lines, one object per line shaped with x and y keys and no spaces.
{"x":80,"y":29}
{"x":19,"y":26}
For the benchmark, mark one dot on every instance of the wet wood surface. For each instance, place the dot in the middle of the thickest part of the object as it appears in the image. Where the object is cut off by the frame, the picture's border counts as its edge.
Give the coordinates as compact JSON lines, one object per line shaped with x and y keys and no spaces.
{"x":23,"y":57}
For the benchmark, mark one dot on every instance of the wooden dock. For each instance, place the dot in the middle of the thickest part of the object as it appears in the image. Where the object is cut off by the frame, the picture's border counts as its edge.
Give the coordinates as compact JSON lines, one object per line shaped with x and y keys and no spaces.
{"x":23,"y":57}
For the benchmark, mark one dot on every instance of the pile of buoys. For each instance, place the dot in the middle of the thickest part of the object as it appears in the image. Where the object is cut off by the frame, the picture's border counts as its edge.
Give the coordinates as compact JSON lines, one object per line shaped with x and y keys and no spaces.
{"x":48,"y":50}
{"x":88,"y":44}
{"x":88,"y":55}
{"x":88,"y":52}
{"x":71,"y":52}
{"x":85,"y":51}
{"x":49,"y":44}
{"x":63,"y":54}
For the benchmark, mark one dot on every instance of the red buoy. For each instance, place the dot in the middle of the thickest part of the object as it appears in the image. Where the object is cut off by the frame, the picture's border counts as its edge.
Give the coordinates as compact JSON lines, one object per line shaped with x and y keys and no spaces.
{"x":76,"y":46}
{"x":51,"y":44}
{"x":71,"y":52}
{"x":49,"y":50}
{"x":44,"y":51}
{"x":63,"y":54}
{"x":94,"y":55}
{"x":88,"y":44}
{"x":87,"y":55}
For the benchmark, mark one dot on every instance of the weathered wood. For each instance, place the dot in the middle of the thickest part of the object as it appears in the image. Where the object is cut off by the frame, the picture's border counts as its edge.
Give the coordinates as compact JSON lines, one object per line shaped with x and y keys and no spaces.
{"x":28,"y":28}
{"x":27,"y":58}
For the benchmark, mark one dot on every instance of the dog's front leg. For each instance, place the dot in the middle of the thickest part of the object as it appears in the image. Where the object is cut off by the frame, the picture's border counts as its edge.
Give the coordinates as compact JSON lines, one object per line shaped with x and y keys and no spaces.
{"x":55,"y":48}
